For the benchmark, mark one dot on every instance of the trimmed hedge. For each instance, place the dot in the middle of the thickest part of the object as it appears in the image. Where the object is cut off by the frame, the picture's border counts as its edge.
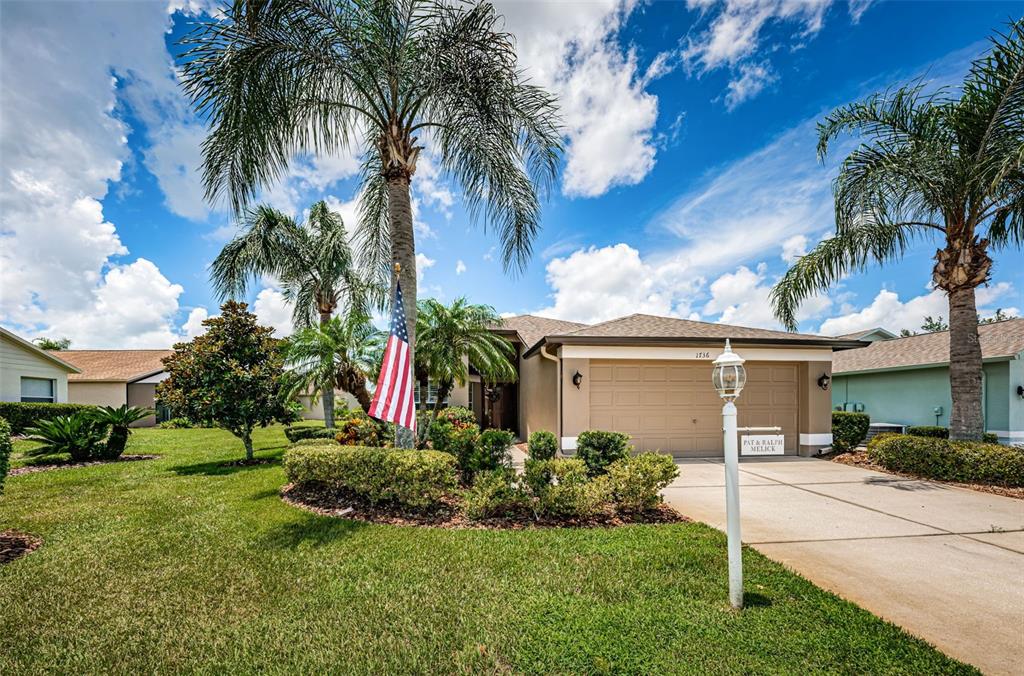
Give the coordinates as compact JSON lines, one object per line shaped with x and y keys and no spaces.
{"x":966,"y":461}
{"x":849,"y":429}
{"x":417,"y":480}
{"x":599,"y":449}
{"x":637,"y":480}
{"x":298,"y":433}
{"x":5,"y":451}
{"x":22,"y":415}
{"x":542,"y":445}
{"x":940,"y":432}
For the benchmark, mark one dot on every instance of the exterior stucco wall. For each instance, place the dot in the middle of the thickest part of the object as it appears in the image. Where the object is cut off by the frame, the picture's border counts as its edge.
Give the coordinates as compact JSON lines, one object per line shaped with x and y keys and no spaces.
{"x":815,"y":408}
{"x":538,"y":387}
{"x":17,"y":362}
{"x":143,"y":395}
{"x":98,"y":394}
{"x":575,"y":402}
{"x":311,"y":411}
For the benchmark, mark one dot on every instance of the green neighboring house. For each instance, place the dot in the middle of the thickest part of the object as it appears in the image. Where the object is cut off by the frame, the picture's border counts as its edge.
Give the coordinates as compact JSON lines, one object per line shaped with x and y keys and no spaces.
{"x":905,"y":381}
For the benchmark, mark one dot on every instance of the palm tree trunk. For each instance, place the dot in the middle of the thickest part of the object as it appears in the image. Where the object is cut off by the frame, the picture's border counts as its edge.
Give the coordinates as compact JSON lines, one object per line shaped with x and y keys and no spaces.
{"x":443,"y":390}
{"x":403,"y":252}
{"x":966,"y":420}
{"x":327,"y":391}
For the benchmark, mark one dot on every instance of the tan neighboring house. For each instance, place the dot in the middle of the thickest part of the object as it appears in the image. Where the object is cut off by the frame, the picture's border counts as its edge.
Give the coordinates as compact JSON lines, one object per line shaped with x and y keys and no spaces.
{"x":31,"y":374}
{"x":116,"y":377}
{"x":650,"y":377}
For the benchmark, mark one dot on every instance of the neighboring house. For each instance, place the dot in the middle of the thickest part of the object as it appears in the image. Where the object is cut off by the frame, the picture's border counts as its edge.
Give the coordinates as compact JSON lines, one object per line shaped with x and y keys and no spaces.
{"x":117,"y":377}
{"x":29,"y":373}
{"x":650,"y":377}
{"x":905,"y":381}
{"x":870,"y":335}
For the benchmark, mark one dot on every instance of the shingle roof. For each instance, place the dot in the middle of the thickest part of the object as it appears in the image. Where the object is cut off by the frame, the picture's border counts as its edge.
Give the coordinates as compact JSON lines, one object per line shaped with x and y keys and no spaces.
{"x":856,"y":335}
{"x":114,"y":365}
{"x":531,"y":329}
{"x":1001,"y":339}
{"x":651,"y":326}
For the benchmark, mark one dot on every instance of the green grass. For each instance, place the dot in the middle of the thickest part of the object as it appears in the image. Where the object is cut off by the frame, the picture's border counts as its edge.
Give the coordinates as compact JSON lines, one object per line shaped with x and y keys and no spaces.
{"x":180,"y":564}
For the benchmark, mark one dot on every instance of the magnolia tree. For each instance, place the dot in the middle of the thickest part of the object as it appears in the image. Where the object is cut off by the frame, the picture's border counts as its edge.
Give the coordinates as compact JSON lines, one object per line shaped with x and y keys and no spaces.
{"x":231,"y":376}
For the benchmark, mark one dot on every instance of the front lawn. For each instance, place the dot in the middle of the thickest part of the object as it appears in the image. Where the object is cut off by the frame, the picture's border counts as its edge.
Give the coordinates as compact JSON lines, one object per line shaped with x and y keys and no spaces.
{"x":181,"y":564}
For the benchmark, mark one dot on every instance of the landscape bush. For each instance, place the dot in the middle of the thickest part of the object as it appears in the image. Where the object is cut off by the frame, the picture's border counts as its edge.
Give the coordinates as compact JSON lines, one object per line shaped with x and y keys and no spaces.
{"x":636,"y":481}
{"x":939,"y":432}
{"x":493,"y":450}
{"x":5,"y":451}
{"x":495,"y":494}
{"x":80,"y":435}
{"x":180,"y":423}
{"x":417,"y":480}
{"x":965,"y":461}
{"x":119,"y":421}
{"x":298,"y":433}
{"x":542,"y":445}
{"x":356,"y":428}
{"x":22,"y":415}
{"x":562,"y":488}
{"x":457,"y":415}
{"x":879,"y":438}
{"x":599,"y":449}
{"x":849,"y":429}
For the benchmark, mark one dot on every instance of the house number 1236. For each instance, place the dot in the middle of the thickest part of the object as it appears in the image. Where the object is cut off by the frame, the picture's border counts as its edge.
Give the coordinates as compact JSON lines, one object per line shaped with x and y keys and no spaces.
{"x":703,"y":355}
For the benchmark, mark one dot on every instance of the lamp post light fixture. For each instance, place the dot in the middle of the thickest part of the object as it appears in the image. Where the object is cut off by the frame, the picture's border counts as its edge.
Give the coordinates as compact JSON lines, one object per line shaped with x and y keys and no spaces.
{"x":729,"y":377}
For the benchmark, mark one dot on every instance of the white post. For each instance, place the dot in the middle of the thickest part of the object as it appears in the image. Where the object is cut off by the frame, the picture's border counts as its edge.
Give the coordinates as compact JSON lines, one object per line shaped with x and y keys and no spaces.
{"x":732,"y":504}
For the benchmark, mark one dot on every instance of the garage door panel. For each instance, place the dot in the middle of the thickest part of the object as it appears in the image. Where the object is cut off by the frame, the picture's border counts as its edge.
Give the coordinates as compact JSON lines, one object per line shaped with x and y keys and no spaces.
{"x":600,"y":374}
{"x":628,"y":374}
{"x":627,"y":397}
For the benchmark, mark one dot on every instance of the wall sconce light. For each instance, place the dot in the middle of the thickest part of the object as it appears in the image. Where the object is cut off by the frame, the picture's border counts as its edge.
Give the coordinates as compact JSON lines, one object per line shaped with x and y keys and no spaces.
{"x":577,"y":378}
{"x":1020,"y":391}
{"x":824,"y":380}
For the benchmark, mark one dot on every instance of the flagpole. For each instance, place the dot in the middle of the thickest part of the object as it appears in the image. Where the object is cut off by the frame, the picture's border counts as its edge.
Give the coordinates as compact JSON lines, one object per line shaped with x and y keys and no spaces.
{"x":394,"y":297}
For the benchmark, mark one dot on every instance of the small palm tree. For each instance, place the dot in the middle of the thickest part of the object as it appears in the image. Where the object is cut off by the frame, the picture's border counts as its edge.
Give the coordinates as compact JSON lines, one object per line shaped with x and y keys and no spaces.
{"x":312,"y":261}
{"x":339,"y":353}
{"x":290,"y":77}
{"x":78,"y":435}
{"x":118,"y":419}
{"x":933,"y":167}
{"x":455,"y":337}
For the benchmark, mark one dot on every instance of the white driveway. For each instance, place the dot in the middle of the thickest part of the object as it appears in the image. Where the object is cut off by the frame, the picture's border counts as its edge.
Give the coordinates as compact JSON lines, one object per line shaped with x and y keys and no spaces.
{"x":946,"y":564}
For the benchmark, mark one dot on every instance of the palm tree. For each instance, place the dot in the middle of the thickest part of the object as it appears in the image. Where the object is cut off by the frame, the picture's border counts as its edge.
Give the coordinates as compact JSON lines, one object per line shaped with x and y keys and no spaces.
{"x":312,"y":261}
{"x":290,"y":77}
{"x":338,"y":353}
{"x":118,"y":419}
{"x":932,"y":167}
{"x":452,"y":338}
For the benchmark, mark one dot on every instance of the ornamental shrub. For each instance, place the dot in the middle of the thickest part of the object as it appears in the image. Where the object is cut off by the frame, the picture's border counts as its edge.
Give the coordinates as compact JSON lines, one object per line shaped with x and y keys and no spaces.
{"x":448,"y":422}
{"x":990,"y":438}
{"x":879,"y":438}
{"x":849,"y":429}
{"x":5,"y":451}
{"x":493,"y":450}
{"x":933,"y":431}
{"x":495,"y":494}
{"x":636,"y":481}
{"x":180,"y":423}
{"x":417,"y":480}
{"x":562,"y":488}
{"x":357,"y":428}
{"x":78,"y":435}
{"x":298,"y":433}
{"x":599,"y":449}
{"x":458,"y":415}
{"x":22,"y":415}
{"x":542,"y":445}
{"x":936,"y":458}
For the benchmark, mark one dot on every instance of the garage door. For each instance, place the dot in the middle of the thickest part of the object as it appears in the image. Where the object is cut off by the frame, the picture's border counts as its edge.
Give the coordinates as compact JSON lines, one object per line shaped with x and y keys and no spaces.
{"x":670,"y":405}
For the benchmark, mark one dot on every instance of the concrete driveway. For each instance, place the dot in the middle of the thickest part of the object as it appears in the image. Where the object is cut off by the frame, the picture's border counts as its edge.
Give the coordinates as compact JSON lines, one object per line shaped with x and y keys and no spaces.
{"x":946,"y":564}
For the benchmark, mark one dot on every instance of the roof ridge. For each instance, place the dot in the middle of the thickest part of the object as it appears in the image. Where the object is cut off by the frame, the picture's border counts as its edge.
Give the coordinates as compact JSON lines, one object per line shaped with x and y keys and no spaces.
{"x":981,"y":326}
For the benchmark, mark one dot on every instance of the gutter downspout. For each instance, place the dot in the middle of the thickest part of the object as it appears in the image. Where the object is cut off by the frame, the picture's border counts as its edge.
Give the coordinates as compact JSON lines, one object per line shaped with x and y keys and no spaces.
{"x":558,"y":390}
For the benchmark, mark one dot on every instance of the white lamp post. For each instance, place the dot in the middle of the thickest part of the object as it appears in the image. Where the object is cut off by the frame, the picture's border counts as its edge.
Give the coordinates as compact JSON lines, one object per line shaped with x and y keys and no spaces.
{"x":729,"y":377}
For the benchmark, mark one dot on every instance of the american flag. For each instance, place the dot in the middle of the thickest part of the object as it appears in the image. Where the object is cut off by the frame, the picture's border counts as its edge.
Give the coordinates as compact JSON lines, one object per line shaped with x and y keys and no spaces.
{"x":394,"y":398}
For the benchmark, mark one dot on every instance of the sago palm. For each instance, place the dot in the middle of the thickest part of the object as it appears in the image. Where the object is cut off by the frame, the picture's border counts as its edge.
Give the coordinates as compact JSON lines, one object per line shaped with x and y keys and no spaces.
{"x":932,"y":167}
{"x":342,"y":353}
{"x":119,"y":420}
{"x":312,"y":261}
{"x":278,"y":79}
{"x":453,"y":338}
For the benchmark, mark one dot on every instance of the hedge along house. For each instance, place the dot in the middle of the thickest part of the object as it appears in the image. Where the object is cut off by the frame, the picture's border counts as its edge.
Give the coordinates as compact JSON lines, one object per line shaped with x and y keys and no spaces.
{"x":905,"y":381}
{"x":31,"y":374}
{"x":650,"y":377}
{"x":117,"y":377}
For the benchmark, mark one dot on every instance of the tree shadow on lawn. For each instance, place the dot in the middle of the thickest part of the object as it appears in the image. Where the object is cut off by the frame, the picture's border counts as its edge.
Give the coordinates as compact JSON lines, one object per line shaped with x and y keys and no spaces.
{"x":316,"y":531}
{"x":225,"y":467}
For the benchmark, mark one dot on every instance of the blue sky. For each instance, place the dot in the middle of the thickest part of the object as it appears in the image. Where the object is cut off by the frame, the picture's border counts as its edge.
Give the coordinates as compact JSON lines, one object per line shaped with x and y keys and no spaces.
{"x":689,"y":179}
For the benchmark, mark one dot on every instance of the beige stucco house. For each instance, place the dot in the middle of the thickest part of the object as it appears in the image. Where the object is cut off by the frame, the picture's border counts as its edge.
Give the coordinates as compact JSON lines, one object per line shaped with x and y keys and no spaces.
{"x":650,"y":377}
{"x":116,"y":377}
{"x":28,"y":373}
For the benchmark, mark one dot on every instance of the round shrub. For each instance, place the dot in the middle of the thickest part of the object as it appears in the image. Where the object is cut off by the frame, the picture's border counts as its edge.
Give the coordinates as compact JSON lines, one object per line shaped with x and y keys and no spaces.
{"x":966,"y":461}
{"x":458,"y":415}
{"x":359,"y":429}
{"x":636,"y":481}
{"x":5,"y":451}
{"x":495,"y":494}
{"x":493,"y":450}
{"x":562,"y":488}
{"x":298,"y":433}
{"x":849,"y":429}
{"x":542,"y":445}
{"x":599,"y":449}
{"x":933,"y":431}
{"x":879,"y":438}
{"x":417,"y":480}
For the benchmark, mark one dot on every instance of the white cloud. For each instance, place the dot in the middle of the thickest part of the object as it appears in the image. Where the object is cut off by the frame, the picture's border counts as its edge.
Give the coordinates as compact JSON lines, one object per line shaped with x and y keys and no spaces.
{"x":889,"y":312}
{"x":272,"y":309}
{"x":742,"y":298}
{"x":193,"y":325}
{"x":423,"y":262}
{"x":460,"y":267}
{"x":752,"y":79}
{"x":793,"y":248}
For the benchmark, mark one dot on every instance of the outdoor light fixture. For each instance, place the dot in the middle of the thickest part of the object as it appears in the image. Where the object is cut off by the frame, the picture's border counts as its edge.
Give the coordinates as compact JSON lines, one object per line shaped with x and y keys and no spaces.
{"x":577,"y":378}
{"x":824,"y":380}
{"x":1020,"y":391}
{"x":729,"y":376}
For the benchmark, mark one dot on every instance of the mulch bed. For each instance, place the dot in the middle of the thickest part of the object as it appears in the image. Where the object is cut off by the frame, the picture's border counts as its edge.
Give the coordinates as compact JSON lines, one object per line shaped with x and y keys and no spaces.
{"x":326,"y":502}
{"x":15,"y":544}
{"x":860,"y":458}
{"x":32,"y":469}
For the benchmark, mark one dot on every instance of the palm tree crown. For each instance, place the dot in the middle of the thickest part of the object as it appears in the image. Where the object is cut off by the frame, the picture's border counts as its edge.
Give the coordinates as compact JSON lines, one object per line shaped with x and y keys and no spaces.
{"x":455,"y":337}
{"x":934,"y":167}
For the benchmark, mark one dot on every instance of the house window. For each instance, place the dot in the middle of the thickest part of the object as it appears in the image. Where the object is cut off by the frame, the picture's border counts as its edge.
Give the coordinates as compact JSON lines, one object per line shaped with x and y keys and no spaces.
{"x":38,"y":390}
{"x":431,"y":394}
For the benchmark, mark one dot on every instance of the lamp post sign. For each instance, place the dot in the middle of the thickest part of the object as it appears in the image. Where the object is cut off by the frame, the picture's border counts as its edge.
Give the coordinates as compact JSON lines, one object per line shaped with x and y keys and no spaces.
{"x":728,"y":378}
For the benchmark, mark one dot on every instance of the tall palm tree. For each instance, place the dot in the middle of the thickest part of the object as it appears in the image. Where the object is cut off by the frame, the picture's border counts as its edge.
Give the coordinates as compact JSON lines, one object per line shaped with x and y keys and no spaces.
{"x":932,"y":167}
{"x":312,"y":261}
{"x":452,"y":338}
{"x":280,"y":78}
{"x":342,"y":353}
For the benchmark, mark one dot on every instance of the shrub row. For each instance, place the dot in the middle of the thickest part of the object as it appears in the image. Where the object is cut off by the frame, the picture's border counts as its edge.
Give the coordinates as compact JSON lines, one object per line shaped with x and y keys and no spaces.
{"x":22,"y":415}
{"x":475,"y":451}
{"x":936,"y":458}
{"x":939,"y":432}
{"x":5,"y":451}
{"x":849,"y":429}
{"x":417,"y":480}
